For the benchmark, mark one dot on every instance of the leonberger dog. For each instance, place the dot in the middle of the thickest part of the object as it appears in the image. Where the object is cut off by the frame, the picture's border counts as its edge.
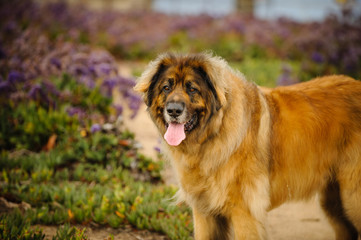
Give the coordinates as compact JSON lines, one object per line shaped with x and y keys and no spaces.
{"x":240,"y":150}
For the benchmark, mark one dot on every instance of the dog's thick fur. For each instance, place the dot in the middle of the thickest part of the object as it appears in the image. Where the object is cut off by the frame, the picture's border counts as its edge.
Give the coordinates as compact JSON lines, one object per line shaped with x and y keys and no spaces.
{"x":253,"y":148}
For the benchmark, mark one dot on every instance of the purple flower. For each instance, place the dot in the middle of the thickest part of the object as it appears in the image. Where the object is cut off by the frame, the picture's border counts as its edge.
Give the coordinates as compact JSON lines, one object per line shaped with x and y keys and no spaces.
{"x":50,"y":88}
{"x":34,"y":91}
{"x":72,"y":111}
{"x":134,"y":105}
{"x":92,"y":69}
{"x":237,"y":25}
{"x":125,"y":83}
{"x":78,"y":69}
{"x":10,"y":27}
{"x":108,"y":85}
{"x":286,"y":76}
{"x":118,"y":109}
{"x":5,"y":88}
{"x":157,"y":149}
{"x":37,"y":93}
{"x":56,"y":62}
{"x":16,"y":77}
{"x":87,"y":81}
{"x":134,"y":102}
{"x":58,"y":9}
{"x":2,"y":53}
{"x":133,"y":97}
{"x":317,"y":57}
{"x":95,"y":128}
{"x":103,"y":69}
{"x":99,"y":56}
{"x":284,"y":80}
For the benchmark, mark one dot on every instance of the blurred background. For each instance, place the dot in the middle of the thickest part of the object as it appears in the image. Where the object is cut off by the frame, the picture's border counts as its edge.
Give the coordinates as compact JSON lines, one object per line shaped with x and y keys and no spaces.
{"x":303,"y":11}
{"x":79,"y":156}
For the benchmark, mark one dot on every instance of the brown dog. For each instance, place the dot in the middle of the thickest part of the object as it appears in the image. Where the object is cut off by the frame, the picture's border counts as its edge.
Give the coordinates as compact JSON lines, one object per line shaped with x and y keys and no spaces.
{"x":240,"y":150}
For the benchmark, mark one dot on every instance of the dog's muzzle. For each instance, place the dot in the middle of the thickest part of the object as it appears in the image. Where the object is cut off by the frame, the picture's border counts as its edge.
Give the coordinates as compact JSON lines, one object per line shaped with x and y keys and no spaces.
{"x":175,"y":109}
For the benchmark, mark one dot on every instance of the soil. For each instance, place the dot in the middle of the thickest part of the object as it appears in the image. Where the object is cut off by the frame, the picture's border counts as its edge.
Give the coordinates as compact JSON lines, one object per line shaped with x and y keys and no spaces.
{"x":104,"y":233}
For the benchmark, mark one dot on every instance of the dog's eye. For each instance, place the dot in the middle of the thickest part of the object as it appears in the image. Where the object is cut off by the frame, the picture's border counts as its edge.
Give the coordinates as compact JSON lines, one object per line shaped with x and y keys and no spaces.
{"x":166,"y":88}
{"x":192,"y":90}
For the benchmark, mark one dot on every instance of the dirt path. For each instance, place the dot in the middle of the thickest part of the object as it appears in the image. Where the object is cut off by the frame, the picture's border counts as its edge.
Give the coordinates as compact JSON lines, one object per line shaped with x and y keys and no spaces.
{"x":105,"y":233}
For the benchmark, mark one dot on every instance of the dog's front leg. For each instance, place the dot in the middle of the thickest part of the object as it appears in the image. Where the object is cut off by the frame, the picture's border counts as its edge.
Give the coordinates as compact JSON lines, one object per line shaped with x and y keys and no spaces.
{"x":245,"y":226}
{"x":202,"y":226}
{"x":210,"y":227}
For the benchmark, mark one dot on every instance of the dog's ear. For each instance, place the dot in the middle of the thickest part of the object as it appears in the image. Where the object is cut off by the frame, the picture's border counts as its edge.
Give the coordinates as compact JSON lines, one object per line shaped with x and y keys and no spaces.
{"x":214,"y":95}
{"x":147,"y":81}
{"x":215,"y":70}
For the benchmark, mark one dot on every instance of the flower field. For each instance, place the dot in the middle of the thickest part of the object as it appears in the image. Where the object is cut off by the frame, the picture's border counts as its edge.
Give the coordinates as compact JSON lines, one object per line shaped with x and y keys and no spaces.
{"x":65,"y":157}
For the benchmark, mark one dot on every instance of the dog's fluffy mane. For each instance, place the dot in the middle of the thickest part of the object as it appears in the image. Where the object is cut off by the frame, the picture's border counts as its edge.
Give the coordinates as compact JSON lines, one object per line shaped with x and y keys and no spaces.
{"x":216,"y":67}
{"x":224,"y":79}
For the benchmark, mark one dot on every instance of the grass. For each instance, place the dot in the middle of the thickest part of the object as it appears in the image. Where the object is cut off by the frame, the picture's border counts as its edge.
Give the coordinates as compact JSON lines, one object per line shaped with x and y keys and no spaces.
{"x":264,"y":72}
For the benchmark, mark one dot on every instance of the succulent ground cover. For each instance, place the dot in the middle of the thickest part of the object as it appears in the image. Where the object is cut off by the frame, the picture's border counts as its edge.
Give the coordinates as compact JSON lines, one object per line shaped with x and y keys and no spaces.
{"x":65,"y":157}
{"x":64,"y":154}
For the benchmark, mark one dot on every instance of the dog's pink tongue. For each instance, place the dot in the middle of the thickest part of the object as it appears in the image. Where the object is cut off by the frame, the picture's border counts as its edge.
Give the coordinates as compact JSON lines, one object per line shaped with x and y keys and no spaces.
{"x":175,"y":134}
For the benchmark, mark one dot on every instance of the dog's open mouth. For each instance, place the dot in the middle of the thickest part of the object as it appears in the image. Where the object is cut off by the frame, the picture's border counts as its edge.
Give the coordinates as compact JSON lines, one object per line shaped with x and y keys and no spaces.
{"x":176,"y":132}
{"x":191,"y":123}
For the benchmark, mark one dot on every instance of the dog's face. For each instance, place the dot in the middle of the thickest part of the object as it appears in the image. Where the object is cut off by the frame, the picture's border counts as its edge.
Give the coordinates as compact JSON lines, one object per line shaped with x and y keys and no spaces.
{"x":180,"y":96}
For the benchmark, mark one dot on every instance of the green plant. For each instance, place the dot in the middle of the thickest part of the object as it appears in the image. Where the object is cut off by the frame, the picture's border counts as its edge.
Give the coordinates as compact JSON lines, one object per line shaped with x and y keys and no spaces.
{"x":263,"y":72}
{"x":30,"y":126}
{"x":88,"y":99}
{"x":67,"y":232}
{"x":14,"y":227}
{"x":65,"y":185}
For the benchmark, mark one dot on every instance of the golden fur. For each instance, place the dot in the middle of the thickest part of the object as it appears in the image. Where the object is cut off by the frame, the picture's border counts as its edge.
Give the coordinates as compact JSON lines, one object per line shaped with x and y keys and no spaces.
{"x":256,"y":148}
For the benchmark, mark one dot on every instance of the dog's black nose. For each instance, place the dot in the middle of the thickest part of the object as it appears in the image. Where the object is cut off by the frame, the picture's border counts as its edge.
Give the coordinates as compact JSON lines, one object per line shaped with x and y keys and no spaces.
{"x":175,"y":109}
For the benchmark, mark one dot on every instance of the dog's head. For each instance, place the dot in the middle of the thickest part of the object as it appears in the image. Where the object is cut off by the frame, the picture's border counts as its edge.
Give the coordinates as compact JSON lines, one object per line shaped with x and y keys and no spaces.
{"x":183,"y":93}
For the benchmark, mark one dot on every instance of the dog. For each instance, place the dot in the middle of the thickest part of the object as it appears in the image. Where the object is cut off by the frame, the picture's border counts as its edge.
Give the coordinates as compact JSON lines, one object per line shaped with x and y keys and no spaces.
{"x":240,"y":150}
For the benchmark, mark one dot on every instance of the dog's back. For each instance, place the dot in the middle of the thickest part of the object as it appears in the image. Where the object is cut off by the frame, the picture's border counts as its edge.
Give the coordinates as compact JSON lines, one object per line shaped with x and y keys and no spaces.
{"x":316,"y":137}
